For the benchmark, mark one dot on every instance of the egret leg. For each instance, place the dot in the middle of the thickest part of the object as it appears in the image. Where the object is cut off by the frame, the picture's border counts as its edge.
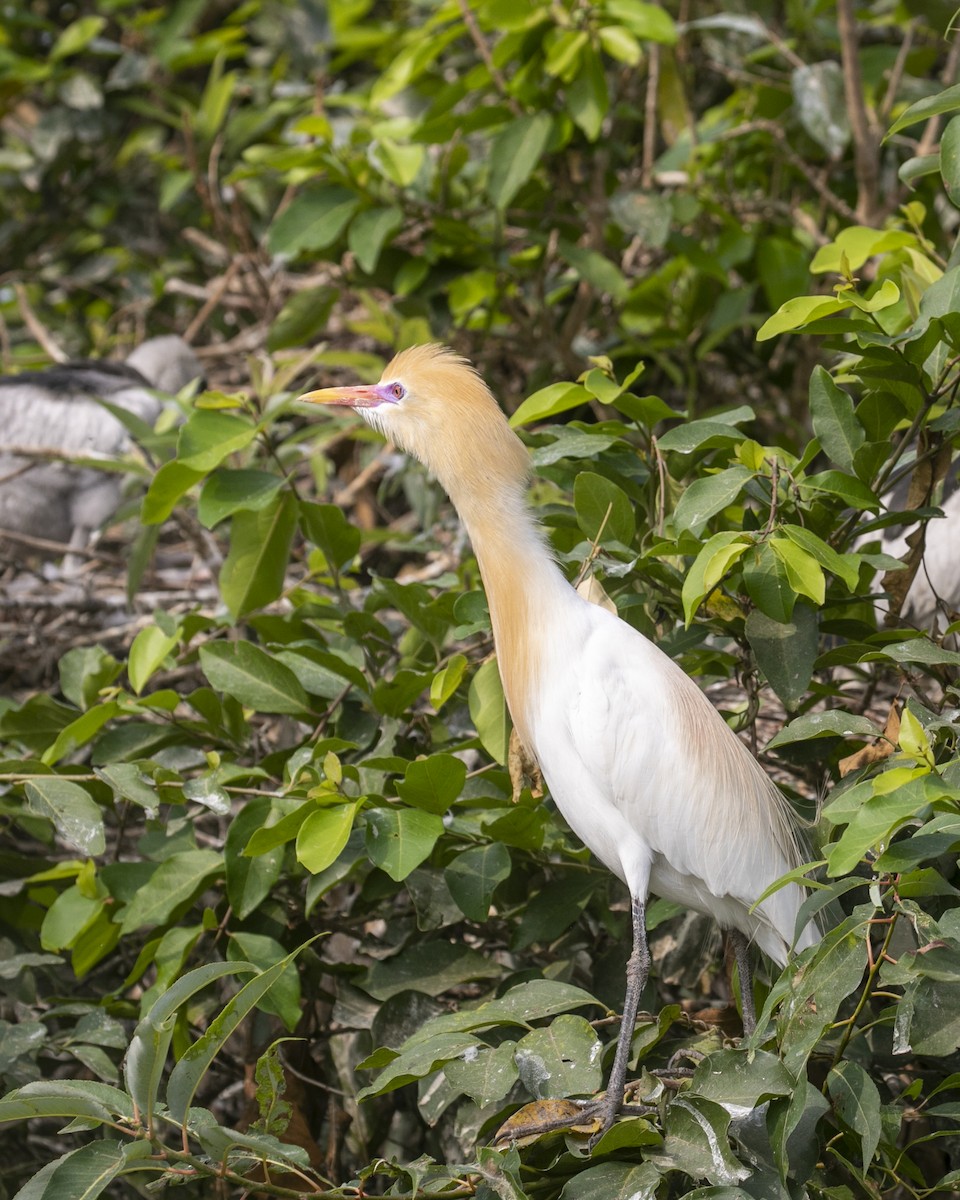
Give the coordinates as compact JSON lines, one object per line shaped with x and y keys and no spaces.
{"x":638,"y":967}
{"x":741,"y":951}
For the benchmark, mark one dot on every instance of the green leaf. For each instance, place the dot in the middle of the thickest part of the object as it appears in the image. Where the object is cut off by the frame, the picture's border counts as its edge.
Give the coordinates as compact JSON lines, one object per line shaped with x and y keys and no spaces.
{"x":76,"y":37}
{"x":697,"y":1143}
{"x":649,"y":22}
{"x":822,"y":724}
{"x":554,"y":398}
{"x":836,"y":483}
{"x":433,"y":783}
{"x":595,"y":268}
{"x":706,"y":497}
{"x":803,"y":571}
{"x":283,"y":997}
{"x":80,"y":731}
{"x":147,"y":1054}
{"x":798,"y":312}
{"x":76,"y":816}
{"x":400,"y":839}
{"x":846,"y":567}
{"x":718,"y":555}
{"x":561,"y":1059}
{"x":304,"y":316}
{"x":327,"y":527}
{"x":514,"y":155}
{"x":369,"y":231}
{"x":254,"y":571}
{"x":84,"y":672}
{"x":209,"y":436}
{"x":195,"y":1061}
{"x":323,"y":835}
{"x":314,"y":220}
{"x":742,"y":1077}
{"x":931,"y":106}
{"x":177,"y":881}
{"x":227,"y":492}
{"x":397,"y":162}
{"x":614,"y":1181}
{"x":767,"y":585}
{"x":950,"y":159}
{"x":604,"y":511}
{"x":170,"y":483}
{"x":431,"y":967}
{"x":149,"y":649}
{"x":857,"y":1102}
{"x":250,"y":879}
{"x":857,"y":243}
{"x":250,"y":675}
{"x":447,"y":680}
{"x":874,"y":824}
{"x":834,"y":421}
{"x":419,"y":1060}
{"x":488,"y":711}
{"x":587,"y":97}
{"x":786,"y":651}
{"x":473,"y":876}
{"x":485,"y":1076}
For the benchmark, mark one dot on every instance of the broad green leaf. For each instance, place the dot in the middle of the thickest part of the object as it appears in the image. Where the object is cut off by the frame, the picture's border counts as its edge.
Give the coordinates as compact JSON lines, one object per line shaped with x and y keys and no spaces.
{"x":323,"y":835}
{"x":854,"y":245}
{"x":950,"y":159}
{"x":798,"y":312}
{"x":701,"y":435}
{"x":786,"y":651}
{"x":707,"y":496}
{"x":313,"y":221}
{"x":554,"y":398}
{"x":76,"y":37}
{"x":146,"y":1056}
{"x":369,"y":231}
{"x":822,"y":724}
{"x":418,"y":1061}
{"x":447,"y":680}
{"x":621,"y":44}
{"x":278,"y":833}
{"x":718,"y":555}
{"x":874,"y":824}
{"x":837,"y":483}
{"x":930,"y":106}
{"x":79,"y":732}
{"x":433,"y":783}
{"x":696,"y":1142}
{"x":588,"y":99}
{"x":170,"y":483}
{"x":195,"y":1062}
{"x":614,"y":1181}
{"x":303,"y":318}
{"x":845,"y":566}
{"x":250,"y":675}
{"x":327,"y":527}
{"x":210,"y":436}
{"x":431,"y":967}
{"x":250,"y":879}
{"x":399,"y":163}
{"x":254,"y":571}
{"x":742,"y":1077}
{"x":283,"y":997}
{"x":604,"y":511}
{"x":857,"y":1102}
{"x":561,"y":1059}
{"x":488,"y":711}
{"x":215,"y":101}
{"x":76,"y":816}
{"x":473,"y":876}
{"x":834,"y":421}
{"x":803,"y":571}
{"x":649,"y":22}
{"x":767,"y":585}
{"x":150,"y":647}
{"x":514,"y":155}
{"x":227,"y":492}
{"x":84,"y":671}
{"x":129,"y":783}
{"x":603,"y":275}
{"x":175,"y":883}
{"x":400,"y":839}
{"x":484,"y":1076}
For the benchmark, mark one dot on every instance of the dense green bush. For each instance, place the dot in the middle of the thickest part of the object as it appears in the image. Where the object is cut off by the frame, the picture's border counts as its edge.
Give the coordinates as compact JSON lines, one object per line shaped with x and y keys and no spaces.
{"x":292,"y":809}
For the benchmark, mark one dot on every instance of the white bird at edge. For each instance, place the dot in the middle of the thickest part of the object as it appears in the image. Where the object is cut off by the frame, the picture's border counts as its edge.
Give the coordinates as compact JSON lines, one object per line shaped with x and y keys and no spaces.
{"x":639,"y":762}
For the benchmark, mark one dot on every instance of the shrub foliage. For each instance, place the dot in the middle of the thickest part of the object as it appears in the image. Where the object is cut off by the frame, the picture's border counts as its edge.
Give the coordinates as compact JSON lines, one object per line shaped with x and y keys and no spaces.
{"x":281,"y":912}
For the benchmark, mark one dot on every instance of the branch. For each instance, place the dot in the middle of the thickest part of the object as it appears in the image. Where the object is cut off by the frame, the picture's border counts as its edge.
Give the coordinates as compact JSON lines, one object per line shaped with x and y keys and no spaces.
{"x":866,"y":141}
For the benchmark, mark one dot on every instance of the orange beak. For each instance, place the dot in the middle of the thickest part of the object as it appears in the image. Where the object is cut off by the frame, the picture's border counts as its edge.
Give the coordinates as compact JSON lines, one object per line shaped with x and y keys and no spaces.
{"x":361,"y":396}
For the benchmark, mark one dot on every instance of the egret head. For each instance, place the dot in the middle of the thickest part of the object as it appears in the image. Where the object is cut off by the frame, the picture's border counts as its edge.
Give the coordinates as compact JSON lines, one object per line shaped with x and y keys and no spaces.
{"x":433,"y":404}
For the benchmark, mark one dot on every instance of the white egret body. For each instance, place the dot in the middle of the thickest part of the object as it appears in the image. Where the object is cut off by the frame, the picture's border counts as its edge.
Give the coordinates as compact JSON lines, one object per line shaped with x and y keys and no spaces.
{"x":639,"y":762}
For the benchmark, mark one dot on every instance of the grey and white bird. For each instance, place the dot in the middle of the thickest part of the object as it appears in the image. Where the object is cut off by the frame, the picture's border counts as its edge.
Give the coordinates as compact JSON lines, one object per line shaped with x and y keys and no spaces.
{"x":48,"y":417}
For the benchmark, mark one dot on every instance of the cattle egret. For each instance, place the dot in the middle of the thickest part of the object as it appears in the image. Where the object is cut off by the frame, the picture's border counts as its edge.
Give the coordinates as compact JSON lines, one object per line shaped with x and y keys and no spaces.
{"x":641,"y":765}
{"x":57,"y":413}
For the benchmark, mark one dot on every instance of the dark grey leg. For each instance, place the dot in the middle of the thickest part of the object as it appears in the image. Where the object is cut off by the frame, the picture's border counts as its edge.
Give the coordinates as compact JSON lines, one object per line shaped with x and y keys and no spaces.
{"x":638,"y":967}
{"x":741,"y":951}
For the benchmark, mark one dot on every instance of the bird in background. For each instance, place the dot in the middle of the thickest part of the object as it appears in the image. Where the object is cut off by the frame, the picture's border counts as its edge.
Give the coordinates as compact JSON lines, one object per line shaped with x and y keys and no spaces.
{"x":638,"y":761}
{"x":58,"y":412}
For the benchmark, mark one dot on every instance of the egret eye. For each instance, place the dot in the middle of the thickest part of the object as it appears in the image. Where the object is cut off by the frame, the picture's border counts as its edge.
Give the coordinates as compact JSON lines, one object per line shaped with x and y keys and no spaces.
{"x":398,"y":391}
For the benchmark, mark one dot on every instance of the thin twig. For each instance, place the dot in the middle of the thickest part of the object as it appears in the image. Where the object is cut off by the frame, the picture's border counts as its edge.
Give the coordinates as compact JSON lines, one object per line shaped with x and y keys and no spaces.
{"x":36,"y":327}
{"x":865,"y":138}
{"x":483,"y":50}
